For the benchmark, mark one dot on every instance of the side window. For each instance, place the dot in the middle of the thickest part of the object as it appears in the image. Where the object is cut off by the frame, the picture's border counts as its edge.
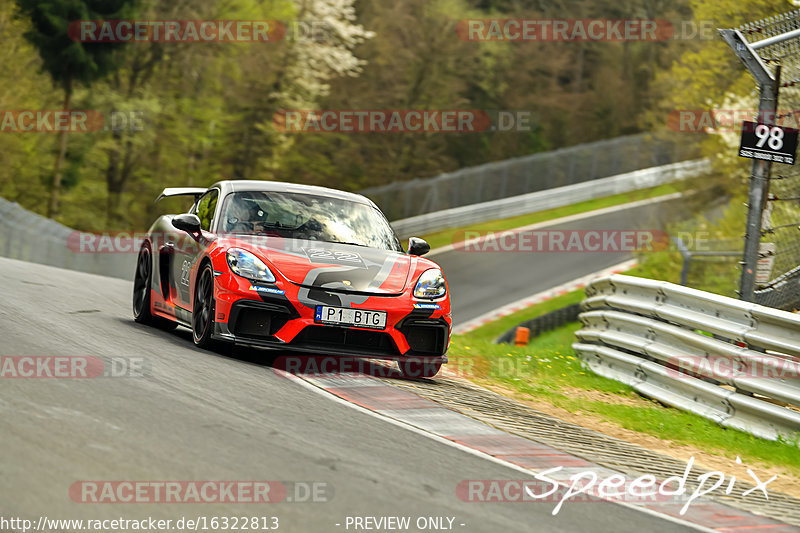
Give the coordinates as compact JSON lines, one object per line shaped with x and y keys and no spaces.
{"x":206,"y":207}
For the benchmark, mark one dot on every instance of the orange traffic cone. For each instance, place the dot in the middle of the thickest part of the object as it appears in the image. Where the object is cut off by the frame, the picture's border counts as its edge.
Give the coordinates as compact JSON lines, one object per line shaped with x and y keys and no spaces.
{"x":523,"y":336}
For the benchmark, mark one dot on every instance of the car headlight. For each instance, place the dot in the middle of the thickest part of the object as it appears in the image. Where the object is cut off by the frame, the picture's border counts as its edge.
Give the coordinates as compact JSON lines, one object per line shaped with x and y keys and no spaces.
{"x":247,"y":265}
{"x":431,"y":284}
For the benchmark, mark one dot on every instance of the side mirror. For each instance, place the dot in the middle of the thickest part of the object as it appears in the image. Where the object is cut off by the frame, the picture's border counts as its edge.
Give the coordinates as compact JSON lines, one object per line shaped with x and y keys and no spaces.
{"x":417,"y":246}
{"x":188,"y":222}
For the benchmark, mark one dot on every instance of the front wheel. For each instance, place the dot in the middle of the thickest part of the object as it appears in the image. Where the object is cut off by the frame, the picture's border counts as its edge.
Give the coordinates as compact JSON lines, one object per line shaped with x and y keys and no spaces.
{"x":419,"y":368}
{"x":203,"y":310}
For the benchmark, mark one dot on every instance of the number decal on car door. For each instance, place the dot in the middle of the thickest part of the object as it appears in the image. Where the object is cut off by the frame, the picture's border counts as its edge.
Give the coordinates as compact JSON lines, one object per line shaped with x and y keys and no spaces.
{"x":186,"y":267}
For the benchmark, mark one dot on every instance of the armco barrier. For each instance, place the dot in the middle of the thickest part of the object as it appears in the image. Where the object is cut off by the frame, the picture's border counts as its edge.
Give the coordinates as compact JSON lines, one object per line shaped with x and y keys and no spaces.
{"x":30,"y":237}
{"x":666,"y":341}
{"x":546,"y":322}
{"x":531,"y":173}
{"x":548,"y":199}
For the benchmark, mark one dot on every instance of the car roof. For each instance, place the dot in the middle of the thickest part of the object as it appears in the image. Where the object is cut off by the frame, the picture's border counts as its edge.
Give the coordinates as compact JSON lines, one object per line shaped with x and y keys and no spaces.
{"x":229,"y":186}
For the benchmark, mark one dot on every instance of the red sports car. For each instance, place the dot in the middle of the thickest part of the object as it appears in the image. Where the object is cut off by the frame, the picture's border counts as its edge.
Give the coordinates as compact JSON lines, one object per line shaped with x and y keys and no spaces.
{"x":293,"y":267}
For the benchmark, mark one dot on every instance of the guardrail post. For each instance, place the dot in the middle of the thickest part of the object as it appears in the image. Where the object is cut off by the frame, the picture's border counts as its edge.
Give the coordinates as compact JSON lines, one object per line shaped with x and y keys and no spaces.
{"x":759,"y":179}
{"x":687,"y":259}
{"x":757,"y":199}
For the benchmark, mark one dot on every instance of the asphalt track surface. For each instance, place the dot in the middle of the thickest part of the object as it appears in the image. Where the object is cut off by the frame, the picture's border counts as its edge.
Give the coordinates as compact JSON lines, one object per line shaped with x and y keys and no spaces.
{"x":226,"y":415}
{"x":483,"y":281}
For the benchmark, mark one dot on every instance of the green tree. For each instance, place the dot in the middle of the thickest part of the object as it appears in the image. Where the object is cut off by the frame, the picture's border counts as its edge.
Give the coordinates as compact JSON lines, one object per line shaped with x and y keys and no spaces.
{"x":66,"y":60}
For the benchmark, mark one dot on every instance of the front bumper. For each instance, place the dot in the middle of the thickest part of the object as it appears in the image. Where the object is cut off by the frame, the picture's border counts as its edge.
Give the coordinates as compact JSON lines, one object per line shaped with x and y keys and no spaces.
{"x":281,"y":315}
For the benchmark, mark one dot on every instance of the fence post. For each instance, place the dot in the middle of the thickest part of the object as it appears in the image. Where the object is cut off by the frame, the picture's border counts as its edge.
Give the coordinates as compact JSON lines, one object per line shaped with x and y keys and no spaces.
{"x":759,"y":179}
{"x":687,"y":259}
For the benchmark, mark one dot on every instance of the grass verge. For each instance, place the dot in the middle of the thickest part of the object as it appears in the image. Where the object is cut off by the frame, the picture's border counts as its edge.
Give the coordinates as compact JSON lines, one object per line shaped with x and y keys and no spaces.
{"x":548,"y":370}
{"x":445,"y":237}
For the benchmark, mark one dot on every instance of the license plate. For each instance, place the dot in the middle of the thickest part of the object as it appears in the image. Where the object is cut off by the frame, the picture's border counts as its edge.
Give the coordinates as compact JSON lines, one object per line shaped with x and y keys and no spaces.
{"x":344,"y":316}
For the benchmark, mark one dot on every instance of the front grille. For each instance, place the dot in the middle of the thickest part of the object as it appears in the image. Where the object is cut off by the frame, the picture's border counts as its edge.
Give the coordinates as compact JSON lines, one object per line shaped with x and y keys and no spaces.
{"x":261,"y":320}
{"x":424,"y":339}
{"x":255,"y":323}
{"x":425,"y":336}
{"x":351,"y":340}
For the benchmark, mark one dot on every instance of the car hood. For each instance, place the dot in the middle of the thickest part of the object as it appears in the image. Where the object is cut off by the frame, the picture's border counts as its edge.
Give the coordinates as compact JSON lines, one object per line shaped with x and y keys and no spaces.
{"x":330,"y":266}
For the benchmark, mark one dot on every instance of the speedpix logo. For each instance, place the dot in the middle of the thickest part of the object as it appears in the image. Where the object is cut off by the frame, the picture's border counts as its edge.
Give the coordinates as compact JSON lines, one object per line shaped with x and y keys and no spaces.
{"x":553,"y":486}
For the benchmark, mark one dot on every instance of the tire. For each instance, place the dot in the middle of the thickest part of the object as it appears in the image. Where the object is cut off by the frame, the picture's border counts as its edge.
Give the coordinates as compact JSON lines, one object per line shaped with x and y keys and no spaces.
{"x":142,"y":280}
{"x":419,"y":368}
{"x":203,"y":309}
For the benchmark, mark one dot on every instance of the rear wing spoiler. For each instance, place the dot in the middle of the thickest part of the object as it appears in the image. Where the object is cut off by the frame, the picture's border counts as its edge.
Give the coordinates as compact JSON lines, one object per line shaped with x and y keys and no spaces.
{"x":169,"y":192}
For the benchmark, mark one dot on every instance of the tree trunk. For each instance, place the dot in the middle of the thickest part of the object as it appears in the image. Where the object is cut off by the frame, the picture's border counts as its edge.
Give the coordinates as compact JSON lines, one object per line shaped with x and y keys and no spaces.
{"x":120,"y":167}
{"x":55,"y":190}
{"x":579,"y":70}
{"x":112,"y":182}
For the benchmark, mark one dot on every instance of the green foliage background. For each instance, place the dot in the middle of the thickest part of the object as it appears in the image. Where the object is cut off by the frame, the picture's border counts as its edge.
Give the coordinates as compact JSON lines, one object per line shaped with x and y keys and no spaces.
{"x":208,"y":107}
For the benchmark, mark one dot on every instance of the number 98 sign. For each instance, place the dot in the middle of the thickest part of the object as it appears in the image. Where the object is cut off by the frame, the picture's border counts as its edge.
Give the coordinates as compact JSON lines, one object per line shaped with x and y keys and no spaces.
{"x":768,"y":143}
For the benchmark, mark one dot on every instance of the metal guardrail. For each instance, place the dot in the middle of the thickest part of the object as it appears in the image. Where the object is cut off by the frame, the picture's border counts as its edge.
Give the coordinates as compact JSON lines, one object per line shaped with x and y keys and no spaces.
{"x":558,"y":197}
{"x":546,"y":322}
{"x":531,"y":173}
{"x":30,"y":237}
{"x":26,"y":236}
{"x":732,"y":362}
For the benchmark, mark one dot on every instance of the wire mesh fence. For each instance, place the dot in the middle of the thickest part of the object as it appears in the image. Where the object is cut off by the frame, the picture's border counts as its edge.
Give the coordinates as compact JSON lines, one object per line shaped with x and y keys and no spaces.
{"x":775,"y":43}
{"x":782,"y":214}
{"x":781,"y":220}
{"x":783,"y":52}
{"x":780,"y":237}
{"x":711,"y":265}
{"x":533,"y":173}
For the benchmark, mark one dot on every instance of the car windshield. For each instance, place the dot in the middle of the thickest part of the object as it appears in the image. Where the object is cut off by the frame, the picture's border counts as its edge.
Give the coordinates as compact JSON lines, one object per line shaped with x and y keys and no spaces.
{"x":307,"y":216}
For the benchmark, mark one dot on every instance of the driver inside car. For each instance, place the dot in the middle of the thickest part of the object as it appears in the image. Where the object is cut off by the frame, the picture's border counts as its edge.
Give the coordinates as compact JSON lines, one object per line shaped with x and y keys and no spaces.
{"x":243,"y":213}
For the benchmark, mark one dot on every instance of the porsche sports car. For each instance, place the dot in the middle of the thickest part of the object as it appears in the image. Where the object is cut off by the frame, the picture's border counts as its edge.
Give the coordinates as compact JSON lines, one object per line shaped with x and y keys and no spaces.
{"x":293,"y":267}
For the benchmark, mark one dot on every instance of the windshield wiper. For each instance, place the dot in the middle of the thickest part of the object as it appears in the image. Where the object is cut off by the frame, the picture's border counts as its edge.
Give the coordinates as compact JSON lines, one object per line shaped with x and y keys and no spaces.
{"x":350,"y":243}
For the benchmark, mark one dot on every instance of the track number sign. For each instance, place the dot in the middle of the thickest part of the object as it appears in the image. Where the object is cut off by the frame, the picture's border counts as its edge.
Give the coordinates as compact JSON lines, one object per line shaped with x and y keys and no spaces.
{"x":770,"y":143}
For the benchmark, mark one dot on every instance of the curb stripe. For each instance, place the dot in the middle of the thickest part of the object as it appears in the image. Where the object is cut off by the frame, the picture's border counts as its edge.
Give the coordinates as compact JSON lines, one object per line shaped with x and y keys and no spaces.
{"x":431,"y":419}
